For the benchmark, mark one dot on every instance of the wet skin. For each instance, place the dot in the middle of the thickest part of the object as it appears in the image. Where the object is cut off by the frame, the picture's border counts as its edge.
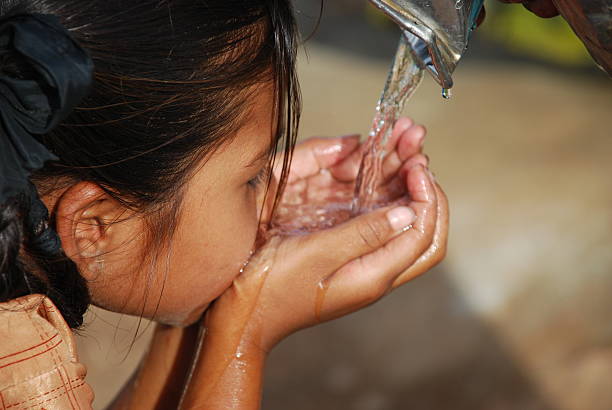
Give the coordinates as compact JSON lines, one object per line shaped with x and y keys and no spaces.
{"x":279,"y":290}
{"x":219,"y":221}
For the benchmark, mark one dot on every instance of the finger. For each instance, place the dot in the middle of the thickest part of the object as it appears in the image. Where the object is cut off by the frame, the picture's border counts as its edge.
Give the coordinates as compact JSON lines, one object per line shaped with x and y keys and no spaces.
{"x":481,"y":16}
{"x":373,"y":274}
{"x":402,"y":125}
{"x":437,"y":251}
{"x":328,"y":250}
{"x":419,"y":159}
{"x":347,"y":169}
{"x":395,"y":185}
{"x":318,"y":153}
{"x":541,"y":8}
{"x":410,"y":143}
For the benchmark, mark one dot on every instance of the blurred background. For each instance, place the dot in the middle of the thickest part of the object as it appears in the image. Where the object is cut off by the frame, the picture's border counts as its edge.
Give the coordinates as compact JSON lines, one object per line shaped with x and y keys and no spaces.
{"x":519,"y":315}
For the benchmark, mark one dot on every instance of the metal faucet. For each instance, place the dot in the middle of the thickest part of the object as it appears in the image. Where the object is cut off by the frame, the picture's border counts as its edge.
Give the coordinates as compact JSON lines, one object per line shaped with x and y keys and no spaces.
{"x":437,"y":31}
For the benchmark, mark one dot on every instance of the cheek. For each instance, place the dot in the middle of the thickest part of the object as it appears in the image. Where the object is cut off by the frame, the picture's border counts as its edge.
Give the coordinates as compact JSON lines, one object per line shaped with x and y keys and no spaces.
{"x":227,"y":238}
{"x":209,"y":248}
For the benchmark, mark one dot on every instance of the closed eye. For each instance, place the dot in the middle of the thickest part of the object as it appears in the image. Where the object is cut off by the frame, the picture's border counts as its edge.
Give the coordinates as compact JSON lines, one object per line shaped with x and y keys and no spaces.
{"x":261,"y":176}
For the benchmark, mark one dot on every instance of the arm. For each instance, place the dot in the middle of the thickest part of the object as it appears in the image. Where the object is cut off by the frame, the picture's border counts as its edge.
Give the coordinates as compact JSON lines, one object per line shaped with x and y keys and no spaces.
{"x":202,"y":365}
{"x":294,"y":282}
{"x":159,"y":380}
{"x":228,"y":371}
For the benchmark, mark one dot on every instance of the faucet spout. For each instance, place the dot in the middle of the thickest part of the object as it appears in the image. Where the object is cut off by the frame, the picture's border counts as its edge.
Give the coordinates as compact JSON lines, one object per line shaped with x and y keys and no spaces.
{"x":437,"y":31}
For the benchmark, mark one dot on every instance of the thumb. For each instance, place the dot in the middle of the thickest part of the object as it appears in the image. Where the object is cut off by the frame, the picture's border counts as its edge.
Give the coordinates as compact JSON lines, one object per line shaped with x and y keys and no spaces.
{"x":356,"y":237}
{"x":317,"y":153}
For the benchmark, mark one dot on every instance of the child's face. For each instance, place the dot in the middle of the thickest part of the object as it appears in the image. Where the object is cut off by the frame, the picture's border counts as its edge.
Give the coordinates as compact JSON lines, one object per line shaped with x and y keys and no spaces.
{"x":215,"y":233}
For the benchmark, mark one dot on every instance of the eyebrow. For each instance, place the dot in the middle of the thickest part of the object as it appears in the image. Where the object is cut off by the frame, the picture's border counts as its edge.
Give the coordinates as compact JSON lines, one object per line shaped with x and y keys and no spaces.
{"x":260,"y":156}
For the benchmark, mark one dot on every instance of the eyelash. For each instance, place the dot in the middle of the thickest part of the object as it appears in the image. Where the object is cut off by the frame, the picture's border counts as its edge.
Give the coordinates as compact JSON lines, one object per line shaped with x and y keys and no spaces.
{"x":259,"y":178}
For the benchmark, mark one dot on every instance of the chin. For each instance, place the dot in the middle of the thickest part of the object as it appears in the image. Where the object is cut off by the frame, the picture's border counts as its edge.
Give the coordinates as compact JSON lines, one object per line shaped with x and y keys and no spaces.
{"x":181,"y":320}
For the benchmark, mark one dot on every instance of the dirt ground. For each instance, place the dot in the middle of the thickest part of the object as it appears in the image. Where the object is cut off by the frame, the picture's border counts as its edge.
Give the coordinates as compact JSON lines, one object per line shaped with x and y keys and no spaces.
{"x":518,"y":316}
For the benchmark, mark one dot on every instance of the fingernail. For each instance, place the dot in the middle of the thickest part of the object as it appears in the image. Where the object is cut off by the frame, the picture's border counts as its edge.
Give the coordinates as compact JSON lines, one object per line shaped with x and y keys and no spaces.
{"x":350,"y":137}
{"x":329,"y":149}
{"x":401,"y":217}
{"x":431,"y":175}
{"x":422,"y":142}
{"x":404,"y":123}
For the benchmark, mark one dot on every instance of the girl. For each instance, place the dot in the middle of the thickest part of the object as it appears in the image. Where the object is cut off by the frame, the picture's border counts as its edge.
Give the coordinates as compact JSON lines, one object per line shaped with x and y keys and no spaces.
{"x":153,"y":191}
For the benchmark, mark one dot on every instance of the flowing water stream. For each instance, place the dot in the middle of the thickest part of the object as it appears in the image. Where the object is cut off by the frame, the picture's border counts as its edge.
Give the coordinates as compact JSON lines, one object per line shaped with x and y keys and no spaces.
{"x":307,"y":207}
{"x":404,"y":78}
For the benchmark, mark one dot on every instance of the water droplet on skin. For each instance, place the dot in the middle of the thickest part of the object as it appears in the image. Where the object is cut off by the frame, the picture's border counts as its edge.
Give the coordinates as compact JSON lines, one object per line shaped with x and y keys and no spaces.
{"x":322,"y":289}
{"x":246,"y":263}
{"x":446,"y":93}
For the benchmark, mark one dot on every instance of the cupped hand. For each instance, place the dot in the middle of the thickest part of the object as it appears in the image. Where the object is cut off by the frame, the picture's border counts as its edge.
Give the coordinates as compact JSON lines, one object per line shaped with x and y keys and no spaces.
{"x":321,"y":183}
{"x":296,"y":281}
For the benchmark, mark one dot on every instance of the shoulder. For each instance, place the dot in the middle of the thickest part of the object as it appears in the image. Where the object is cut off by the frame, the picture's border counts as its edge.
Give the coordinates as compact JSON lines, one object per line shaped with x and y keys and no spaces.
{"x":38,"y":361}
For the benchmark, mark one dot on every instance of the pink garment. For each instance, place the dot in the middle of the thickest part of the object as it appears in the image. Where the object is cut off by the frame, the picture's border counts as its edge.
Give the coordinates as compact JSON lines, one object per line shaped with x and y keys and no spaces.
{"x":39,"y":367}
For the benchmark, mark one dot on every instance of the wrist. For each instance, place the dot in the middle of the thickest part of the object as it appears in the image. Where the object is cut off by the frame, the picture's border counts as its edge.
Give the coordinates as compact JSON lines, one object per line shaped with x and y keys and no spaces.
{"x":235,"y":319}
{"x":233,"y":337}
{"x":228,"y":369}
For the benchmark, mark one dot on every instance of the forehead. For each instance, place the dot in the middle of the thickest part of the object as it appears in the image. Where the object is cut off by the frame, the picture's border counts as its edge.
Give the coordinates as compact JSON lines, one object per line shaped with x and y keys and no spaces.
{"x":256,"y":133}
{"x":252,"y":139}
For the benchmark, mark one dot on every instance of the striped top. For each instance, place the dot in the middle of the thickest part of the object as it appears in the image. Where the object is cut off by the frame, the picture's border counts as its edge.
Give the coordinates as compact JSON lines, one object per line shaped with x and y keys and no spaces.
{"x":39,"y":367}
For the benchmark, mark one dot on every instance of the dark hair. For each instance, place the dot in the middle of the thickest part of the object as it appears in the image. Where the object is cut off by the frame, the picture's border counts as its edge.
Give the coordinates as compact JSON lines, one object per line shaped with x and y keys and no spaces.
{"x":170,"y":87}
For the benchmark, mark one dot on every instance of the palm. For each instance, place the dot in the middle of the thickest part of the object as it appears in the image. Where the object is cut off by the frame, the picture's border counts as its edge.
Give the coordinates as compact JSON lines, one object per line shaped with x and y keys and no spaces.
{"x":294,"y":281}
{"x":321,"y":184}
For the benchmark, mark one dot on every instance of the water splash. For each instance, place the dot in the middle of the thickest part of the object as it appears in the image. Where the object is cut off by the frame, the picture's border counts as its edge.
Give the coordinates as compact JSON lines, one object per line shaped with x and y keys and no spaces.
{"x":404,"y":78}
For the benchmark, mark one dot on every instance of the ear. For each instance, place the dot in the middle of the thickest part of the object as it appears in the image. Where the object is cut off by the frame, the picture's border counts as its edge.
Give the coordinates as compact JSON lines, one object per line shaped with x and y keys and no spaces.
{"x":84,"y":214}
